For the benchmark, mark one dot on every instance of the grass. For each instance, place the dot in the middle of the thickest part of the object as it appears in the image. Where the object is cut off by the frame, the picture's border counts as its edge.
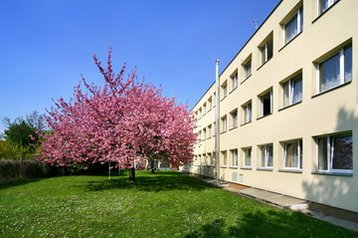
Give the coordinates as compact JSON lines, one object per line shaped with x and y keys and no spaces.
{"x":167,"y":204}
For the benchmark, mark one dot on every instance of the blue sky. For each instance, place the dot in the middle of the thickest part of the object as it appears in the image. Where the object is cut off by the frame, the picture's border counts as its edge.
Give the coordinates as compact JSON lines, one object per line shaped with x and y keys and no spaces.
{"x":47,"y":44}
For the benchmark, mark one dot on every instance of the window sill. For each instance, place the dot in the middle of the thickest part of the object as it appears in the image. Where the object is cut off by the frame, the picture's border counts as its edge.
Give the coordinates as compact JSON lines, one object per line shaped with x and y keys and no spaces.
{"x":332,"y":173}
{"x":297,"y":171}
{"x":232,"y":90}
{"x":259,"y":118}
{"x":324,"y":12}
{"x":223,"y":98}
{"x":263,"y":64}
{"x":286,"y":44}
{"x":265,"y":169}
{"x":245,"y":123}
{"x":233,"y":167}
{"x":223,"y":166}
{"x":222,"y":132}
{"x":246,"y":168}
{"x":293,"y":104}
{"x":245,"y":79}
{"x":331,"y":89}
{"x":232,"y":128}
{"x":208,"y":110}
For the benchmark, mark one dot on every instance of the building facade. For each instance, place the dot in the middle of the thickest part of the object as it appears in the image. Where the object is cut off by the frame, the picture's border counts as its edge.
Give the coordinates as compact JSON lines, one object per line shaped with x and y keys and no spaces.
{"x":288,"y":118}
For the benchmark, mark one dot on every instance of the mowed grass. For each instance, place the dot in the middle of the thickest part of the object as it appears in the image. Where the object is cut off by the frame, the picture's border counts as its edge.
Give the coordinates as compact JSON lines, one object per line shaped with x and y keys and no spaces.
{"x":166,"y":204}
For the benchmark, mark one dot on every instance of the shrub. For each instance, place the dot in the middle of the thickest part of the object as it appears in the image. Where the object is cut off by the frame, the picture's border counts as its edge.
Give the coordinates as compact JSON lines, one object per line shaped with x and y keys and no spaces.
{"x":11,"y":170}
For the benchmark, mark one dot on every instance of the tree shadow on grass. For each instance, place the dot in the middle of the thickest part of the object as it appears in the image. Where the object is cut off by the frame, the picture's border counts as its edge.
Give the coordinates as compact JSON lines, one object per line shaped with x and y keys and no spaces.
{"x":4,"y":184}
{"x":149,"y":183}
{"x":271,"y":224}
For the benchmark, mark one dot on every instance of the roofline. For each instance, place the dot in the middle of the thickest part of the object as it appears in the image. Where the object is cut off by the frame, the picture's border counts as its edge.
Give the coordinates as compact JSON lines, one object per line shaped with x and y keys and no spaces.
{"x":240,"y":51}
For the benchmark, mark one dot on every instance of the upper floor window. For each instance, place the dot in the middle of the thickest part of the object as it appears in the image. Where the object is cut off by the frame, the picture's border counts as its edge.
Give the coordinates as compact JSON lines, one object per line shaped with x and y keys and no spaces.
{"x":204,"y":134}
{"x":336,"y":70}
{"x":234,"y":80}
{"x":266,"y":49}
{"x":293,"y":154}
{"x":204,"y":109}
{"x":199,"y":113}
{"x":234,"y":158}
{"x":292,"y":91}
{"x":294,"y":26}
{"x":224,"y":124}
{"x":214,"y":129}
{"x":247,"y":69}
{"x":266,"y":105}
{"x":224,"y":90}
{"x":335,"y":153}
{"x":233,"y":116}
{"x":210,"y":103}
{"x":214,"y":99}
{"x":325,"y":4}
{"x":247,"y":112}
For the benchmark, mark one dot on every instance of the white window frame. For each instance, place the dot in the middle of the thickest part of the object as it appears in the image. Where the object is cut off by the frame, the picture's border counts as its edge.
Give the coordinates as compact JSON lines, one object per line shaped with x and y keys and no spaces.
{"x":299,"y":16}
{"x":247,"y":113}
{"x":330,"y":152}
{"x":299,"y":155}
{"x":262,"y":103}
{"x":224,"y":157}
{"x":209,"y":131}
{"x":224,"y":123}
{"x":224,"y":90}
{"x":234,"y":158}
{"x":341,"y":69}
{"x":245,"y":165}
{"x":204,"y":134}
{"x":291,"y":90}
{"x":264,"y":50}
{"x":234,"y":80}
{"x":247,"y":74}
{"x":233,"y":119}
{"x":319,"y":4}
{"x":210,"y":103}
{"x":266,"y":156}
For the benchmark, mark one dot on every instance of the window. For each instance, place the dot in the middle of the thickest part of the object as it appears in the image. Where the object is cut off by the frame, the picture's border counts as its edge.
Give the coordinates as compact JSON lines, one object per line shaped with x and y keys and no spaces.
{"x":199,"y":113}
{"x":266,"y":156}
{"x":209,"y":131}
{"x":210,"y":103}
{"x":234,"y":80}
{"x":335,"y":153}
{"x":214,"y":98}
{"x":247,"y":69}
{"x":214,"y":129}
{"x":336,"y":70}
{"x":266,"y":50}
{"x":234,"y":158}
{"x":294,"y":26}
{"x":199,"y":135}
{"x":224,"y":157}
{"x":247,"y":155}
{"x":293,"y":154}
{"x":247,"y":111}
{"x":204,"y":109}
{"x":223,"y":124}
{"x":325,"y":4}
{"x":292,"y":91}
{"x":233,"y":116}
{"x":223,"y":90}
{"x":210,"y":158}
{"x":204,"y":134}
{"x":266,"y":104}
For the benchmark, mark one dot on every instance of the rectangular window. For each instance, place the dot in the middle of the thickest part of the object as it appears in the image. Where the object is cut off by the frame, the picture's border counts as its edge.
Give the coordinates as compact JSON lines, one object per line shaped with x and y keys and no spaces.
{"x":293,"y":154}
{"x":204,"y":108}
{"x":247,"y":155}
{"x":266,"y":50}
{"x":292,"y":91}
{"x":247,"y":69}
{"x":204,"y":134}
{"x":224,"y":124}
{"x":224,"y":157}
{"x":233,"y":116}
{"x":266,"y":156}
{"x":199,"y":136}
{"x":209,"y":131}
{"x":210,"y":103}
{"x":266,"y":106}
{"x":214,"y":129}
{"x":234,"y":158}
{"x":214,"y":99}
{"x":335,"y":153}
{"x":247,"y":111}
{"x":234,"y":81}
{"x":336,"y":70}
{"x":223,"y":90}
{"x":199,"y":113}
{"x":325,"y":4}
{"x":294,"y":26}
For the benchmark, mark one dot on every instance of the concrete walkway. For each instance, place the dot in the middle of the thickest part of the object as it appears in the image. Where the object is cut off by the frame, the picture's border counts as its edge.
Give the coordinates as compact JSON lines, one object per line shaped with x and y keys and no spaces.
{"x":285,"y":202}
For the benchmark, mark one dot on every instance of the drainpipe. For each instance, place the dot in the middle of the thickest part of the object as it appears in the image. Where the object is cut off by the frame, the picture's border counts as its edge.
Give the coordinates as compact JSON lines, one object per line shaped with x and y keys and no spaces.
{"x":217,"y":122}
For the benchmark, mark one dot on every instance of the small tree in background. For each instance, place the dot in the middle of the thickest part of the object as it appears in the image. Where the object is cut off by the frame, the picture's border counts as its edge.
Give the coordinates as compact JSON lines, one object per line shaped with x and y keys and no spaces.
{"x":122,"y":122}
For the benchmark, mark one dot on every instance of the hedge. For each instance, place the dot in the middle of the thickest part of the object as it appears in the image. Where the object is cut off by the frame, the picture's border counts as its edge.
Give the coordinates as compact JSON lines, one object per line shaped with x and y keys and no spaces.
{"x":11,"y":170}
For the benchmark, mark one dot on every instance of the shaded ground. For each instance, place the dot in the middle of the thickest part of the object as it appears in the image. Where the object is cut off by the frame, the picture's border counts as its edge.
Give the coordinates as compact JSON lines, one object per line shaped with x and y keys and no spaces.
{"x":167,"y":204}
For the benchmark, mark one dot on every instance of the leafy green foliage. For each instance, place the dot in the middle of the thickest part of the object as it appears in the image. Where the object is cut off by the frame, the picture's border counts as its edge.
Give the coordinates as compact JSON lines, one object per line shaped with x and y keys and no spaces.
{"x":15,"y":170}
{"x":166,"y":204}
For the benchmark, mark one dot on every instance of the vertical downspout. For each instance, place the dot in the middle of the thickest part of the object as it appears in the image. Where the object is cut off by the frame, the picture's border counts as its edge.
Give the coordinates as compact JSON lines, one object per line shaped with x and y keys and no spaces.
{"x":217,"y":123}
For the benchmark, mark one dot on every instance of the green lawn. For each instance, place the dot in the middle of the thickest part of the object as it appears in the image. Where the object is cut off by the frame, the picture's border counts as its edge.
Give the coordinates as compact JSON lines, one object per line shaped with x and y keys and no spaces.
{"x":167,"y":204}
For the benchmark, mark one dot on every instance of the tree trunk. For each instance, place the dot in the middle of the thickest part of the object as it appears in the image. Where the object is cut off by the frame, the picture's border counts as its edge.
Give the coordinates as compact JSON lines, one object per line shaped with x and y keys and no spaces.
{"x":152,"y":169}
{"x":132,"y":174}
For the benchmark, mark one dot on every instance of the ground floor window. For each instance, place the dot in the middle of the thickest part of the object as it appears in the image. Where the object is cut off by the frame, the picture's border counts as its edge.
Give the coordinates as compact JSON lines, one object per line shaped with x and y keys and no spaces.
{"x":247,"y":156}
{"x":293,"y":154}
{"x":234,"y":158}
{"x":266,"y":156}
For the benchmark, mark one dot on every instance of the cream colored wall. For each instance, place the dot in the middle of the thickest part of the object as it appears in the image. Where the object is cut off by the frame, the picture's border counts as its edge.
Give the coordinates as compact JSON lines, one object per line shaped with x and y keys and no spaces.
{"x":331,"y":112}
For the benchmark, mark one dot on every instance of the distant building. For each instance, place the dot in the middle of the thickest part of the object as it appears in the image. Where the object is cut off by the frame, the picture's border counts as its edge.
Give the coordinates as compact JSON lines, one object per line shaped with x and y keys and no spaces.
{"x":289,"y":106}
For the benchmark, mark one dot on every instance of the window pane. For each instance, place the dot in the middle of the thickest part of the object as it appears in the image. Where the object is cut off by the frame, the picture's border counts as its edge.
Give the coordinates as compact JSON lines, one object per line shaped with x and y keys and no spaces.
{"x":329,"y":73}
{"x":348,"y":64}
{"x":292,"y":155}
{"x":266,"y":104}
{"x":248,"y":113}
{"x":324,"y":5}
{"x":263,"y":156}
{"x":343,"y":153}
{"x":322,"y":154}
{"x":291,"y":29}
{"x":248,"y":157}
{"x":297,"y":90}
{"x":286,"y":93}
{"x":269,"y":49}
{"x":247,"y":68}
